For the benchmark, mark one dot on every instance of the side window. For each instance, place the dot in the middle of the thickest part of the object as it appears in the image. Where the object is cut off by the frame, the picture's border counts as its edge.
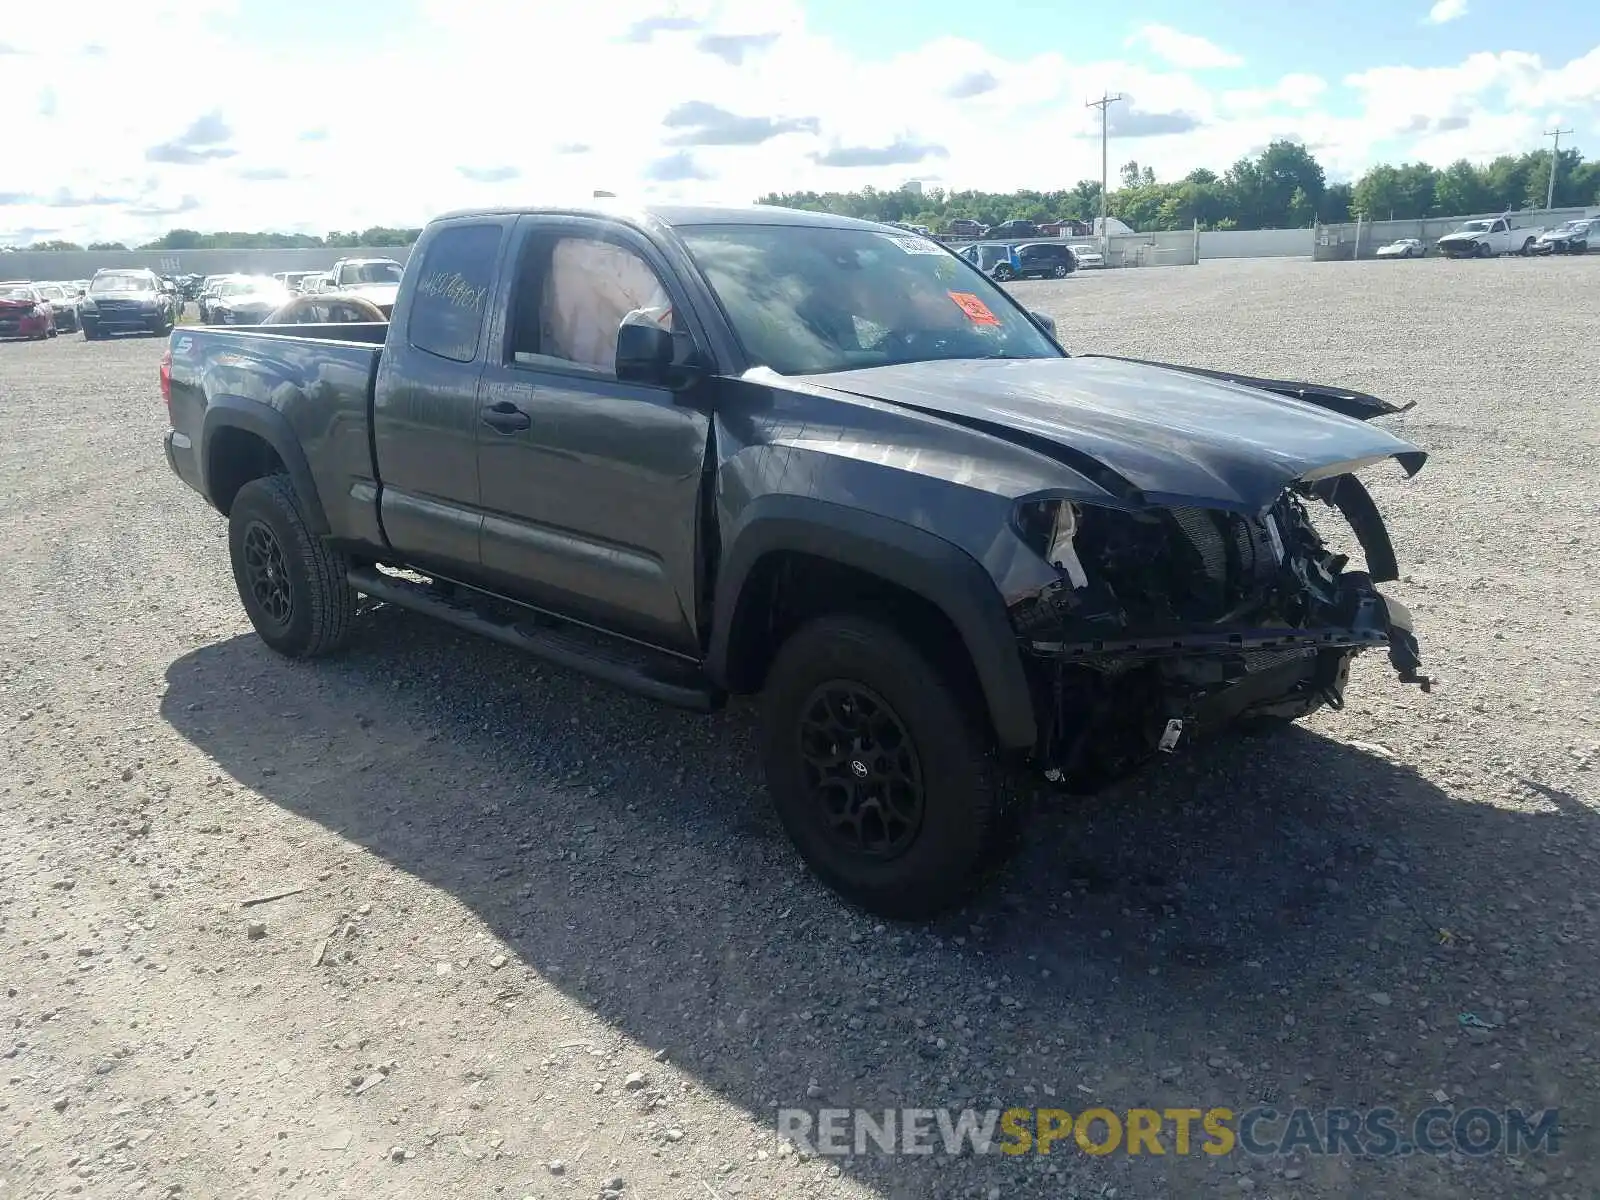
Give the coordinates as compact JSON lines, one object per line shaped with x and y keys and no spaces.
{"x":569,"y":312}
{"x":452,"y":292}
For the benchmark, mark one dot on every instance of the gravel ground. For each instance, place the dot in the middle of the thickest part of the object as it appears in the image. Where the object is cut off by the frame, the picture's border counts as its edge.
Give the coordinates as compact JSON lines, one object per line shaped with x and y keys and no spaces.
{"x":551,"y":942}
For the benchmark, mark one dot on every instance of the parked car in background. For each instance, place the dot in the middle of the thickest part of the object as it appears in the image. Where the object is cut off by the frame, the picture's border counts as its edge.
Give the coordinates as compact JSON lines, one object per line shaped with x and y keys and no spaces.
{"x":24,"y":312}
{"x":377,"y":279}
{"x":293,"y":281}
{"x":1487,"y":238}
{"x":1570,"y":237}
{"x":1087,"y":254}
{"x":1045,"y":260}
{"x":208,"y":293}
{"x":1010,"y":230}
{"x":964,"y":227}
{"x":997,"y":260}
{"x":246,"y":300}
{"x":126,"y":300}
{"x":326,"y":308}
{"x":1402,"y":248}
{"x":63,"y":302}
{"x":1065,"y":228}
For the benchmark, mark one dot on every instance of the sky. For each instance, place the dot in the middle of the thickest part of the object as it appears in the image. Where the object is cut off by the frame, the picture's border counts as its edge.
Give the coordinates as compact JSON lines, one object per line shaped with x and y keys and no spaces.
{"x":125,"y":120}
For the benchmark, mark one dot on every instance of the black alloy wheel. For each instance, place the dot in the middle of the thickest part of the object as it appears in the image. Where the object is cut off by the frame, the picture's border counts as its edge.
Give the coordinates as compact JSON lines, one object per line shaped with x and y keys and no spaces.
{"x":266,"y":573}
{"x":882,"y":769}
{"x":862,"y":769}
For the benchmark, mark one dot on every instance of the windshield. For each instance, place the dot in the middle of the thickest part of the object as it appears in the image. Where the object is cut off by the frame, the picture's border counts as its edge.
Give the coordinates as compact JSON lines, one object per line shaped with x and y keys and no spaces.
{"x":376,"y":272}
{"x":16,"y":293}
{"x":1476,"y":227}
{"x":122,"y":283}
{"x":1569,"y":226}
{"x":810,"y":300}
{"x":52,"y":292}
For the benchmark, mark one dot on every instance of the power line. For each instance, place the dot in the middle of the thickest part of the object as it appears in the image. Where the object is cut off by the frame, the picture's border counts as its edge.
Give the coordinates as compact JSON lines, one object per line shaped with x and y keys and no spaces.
{"x":1104,"y":105}
{"x":1555,"y":160}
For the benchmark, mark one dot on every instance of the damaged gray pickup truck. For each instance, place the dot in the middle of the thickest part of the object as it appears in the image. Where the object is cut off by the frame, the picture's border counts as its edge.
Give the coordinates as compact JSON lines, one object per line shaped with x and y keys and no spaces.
{"x":698,"y":452}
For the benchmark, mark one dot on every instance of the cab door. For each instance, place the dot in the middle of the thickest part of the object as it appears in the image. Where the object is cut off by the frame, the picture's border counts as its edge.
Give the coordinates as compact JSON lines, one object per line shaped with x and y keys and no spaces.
{"x":591,"y":488}
{"x":425,"y":398}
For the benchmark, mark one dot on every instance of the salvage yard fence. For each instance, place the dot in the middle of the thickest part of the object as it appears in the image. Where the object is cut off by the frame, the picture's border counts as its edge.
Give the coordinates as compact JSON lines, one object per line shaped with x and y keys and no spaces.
{"x":1361,"y":239}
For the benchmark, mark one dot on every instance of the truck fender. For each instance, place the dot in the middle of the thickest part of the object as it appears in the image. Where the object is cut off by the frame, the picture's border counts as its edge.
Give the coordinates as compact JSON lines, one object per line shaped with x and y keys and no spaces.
{"x":272,"y":427}
{"x":936,"y":570}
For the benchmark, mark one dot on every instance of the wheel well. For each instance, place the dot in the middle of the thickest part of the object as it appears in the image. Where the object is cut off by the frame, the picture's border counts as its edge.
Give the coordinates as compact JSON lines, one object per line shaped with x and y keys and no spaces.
{"x":785,"y":589}
{"x":236,"y":456}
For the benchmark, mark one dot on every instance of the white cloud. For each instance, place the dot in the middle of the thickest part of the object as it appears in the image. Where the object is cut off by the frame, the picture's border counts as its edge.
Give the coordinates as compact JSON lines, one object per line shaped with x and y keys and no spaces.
{"x":721,"y":101}
{"x":1186,"y":51}
{"x":1447,"y":10}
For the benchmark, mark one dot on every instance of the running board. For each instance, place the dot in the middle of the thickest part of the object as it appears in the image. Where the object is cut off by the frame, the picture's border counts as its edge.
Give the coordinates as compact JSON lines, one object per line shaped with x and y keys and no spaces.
{"x":634,"y":668}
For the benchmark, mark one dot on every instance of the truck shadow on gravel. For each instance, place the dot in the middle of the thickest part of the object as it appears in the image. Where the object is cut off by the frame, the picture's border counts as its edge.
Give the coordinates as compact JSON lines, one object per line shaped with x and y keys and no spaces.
{"x":1268,"y":918}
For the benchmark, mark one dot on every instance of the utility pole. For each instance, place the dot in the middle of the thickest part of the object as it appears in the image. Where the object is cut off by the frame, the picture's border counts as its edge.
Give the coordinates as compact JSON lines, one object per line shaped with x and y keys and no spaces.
{"x":1104,"y":104}
{"x":1555,"y":157}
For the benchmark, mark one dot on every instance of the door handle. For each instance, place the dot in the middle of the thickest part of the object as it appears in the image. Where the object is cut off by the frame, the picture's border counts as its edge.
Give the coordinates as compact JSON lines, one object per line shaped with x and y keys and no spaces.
{"x":506,"y":417}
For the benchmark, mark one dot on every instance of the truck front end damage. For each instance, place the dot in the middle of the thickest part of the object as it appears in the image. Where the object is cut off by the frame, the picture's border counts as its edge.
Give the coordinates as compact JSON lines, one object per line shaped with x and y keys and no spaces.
{"x":1165,"y":623}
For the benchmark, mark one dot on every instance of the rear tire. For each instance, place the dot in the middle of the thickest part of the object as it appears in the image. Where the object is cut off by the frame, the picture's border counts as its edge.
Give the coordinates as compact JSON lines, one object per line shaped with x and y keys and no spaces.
{"x":887,"y":783}
{"x":295,"y":590}
{"x":1527,"y":248}
{"x":1004,"y":274}
{"x":1061,"y":270}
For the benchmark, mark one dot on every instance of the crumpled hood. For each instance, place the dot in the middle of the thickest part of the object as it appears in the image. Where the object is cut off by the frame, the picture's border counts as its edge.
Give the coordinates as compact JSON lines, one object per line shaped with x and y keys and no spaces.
{"x":1461,"y":237}
{"x":1148,"y":434}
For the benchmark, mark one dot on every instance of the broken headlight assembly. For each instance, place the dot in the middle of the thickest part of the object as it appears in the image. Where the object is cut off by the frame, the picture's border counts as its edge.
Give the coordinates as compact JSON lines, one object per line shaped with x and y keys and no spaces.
{"x":1152,"y":569}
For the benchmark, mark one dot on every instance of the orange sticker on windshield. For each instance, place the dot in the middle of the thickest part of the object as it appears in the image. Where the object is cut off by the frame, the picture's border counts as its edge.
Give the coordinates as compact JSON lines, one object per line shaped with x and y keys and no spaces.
{"x":977,"y":311}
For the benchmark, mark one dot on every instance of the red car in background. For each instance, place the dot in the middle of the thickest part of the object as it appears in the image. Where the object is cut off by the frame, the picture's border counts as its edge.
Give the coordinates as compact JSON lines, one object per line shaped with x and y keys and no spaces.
{"x":24,"y":313}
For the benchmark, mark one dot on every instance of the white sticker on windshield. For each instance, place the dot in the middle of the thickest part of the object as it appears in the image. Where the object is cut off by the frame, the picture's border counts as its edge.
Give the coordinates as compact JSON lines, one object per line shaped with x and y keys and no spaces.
{"x":912,"y":244}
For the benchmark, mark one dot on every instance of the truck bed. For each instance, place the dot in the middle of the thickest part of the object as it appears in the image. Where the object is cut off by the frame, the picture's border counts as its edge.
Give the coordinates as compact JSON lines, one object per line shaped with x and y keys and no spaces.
{"x":311,"y":388}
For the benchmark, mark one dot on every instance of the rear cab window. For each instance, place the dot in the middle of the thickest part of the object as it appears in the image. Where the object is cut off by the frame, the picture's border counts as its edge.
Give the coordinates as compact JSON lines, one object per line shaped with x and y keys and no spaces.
{"x":451,"y":296}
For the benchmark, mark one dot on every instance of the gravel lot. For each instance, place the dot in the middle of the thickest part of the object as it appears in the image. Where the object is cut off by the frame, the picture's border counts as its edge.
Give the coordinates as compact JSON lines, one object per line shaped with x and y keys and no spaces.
{"x":520,"y":888}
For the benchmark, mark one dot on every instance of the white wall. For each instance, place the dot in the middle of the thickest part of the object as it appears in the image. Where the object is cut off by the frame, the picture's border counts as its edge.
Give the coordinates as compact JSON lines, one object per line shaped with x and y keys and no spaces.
{"x":1257,"y":243}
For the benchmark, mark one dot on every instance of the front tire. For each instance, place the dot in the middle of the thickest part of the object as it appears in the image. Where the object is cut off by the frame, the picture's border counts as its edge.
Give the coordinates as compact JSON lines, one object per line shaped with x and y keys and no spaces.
{"x":887,"y":783}
{"x":294,"y":589}
{"x":1484,"y":250}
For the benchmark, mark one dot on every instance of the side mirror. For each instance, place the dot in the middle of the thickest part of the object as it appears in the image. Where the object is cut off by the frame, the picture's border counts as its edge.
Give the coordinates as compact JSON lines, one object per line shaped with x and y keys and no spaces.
{"x":644,"y":353}
{"x":1045,"y":322}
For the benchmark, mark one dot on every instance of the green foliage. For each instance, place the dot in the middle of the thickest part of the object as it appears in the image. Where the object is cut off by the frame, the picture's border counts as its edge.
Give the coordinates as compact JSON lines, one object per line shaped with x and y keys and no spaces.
{"x":1282,"y":187}
{"x":107,"y":246}
{"x":55,"y":245}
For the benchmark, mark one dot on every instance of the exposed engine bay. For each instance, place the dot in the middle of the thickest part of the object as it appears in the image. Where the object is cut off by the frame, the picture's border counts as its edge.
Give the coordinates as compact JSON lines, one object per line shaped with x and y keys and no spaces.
{"x":1165,"y":623}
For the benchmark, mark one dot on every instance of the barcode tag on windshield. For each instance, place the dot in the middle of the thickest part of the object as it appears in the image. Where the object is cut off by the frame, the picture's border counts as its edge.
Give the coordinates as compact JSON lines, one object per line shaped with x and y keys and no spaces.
{"x":912,"y":244}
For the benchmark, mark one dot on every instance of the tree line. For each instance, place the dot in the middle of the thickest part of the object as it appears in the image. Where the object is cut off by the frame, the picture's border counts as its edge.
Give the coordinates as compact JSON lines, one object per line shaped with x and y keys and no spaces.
{"x":1282,"y":187}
